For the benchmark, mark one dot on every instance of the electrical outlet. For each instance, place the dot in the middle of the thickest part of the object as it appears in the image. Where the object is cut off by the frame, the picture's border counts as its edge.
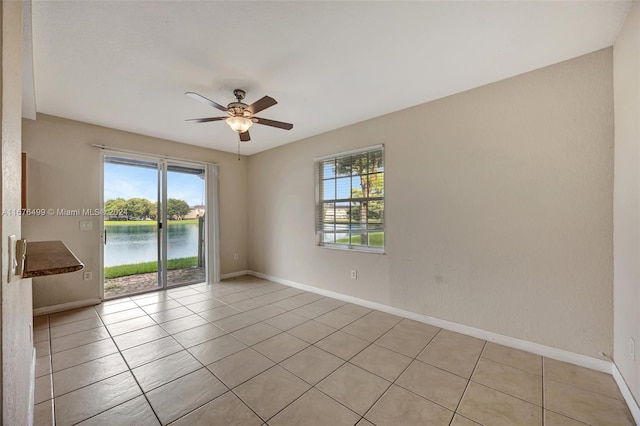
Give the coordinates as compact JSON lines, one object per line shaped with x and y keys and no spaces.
{"x":86,"y":225}
{"x":235,"y":256}
{"x":354,"y":274}
{"x":88,"y":276}
{"x":632,"y":349}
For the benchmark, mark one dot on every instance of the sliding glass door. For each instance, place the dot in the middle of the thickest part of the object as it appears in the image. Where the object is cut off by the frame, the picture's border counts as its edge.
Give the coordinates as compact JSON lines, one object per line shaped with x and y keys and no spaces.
{"x":132,"y":232}
{"x":186,"y":215}
{"x":154,"y":225}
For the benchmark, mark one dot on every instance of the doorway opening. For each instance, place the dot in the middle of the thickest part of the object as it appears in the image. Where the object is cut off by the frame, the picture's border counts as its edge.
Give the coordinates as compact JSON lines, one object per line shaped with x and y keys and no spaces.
{"x":155,"y":224}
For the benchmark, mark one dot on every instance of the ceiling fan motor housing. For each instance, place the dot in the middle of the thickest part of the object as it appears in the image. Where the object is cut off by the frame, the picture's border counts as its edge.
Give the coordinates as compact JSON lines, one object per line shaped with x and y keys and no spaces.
{"x":239,"y":94}
{"x":238,"y":108}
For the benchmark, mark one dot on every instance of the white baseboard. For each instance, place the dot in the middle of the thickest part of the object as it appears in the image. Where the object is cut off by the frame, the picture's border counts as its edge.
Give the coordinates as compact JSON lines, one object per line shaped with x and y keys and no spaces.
{"x":512,"y":342}
{"x":66,"y":306}
{"x":235,"y":274}
{"x":626,"y":393}
{"x":32,"y":386}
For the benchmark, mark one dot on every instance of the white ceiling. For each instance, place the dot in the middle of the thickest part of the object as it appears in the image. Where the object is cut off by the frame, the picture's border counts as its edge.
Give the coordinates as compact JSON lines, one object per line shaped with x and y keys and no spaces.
{"x":126,"y":65}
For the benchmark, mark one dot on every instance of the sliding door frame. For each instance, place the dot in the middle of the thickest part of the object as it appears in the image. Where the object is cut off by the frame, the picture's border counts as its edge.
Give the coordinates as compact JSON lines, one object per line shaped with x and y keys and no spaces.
{"x":211,"y":246}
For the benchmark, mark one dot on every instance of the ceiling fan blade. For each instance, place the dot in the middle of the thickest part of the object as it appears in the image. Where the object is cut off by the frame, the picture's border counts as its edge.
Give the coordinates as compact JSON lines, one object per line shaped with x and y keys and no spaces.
{"x":244,"y":136}
{"x":201,"y":98}
{"x":273,"y":123}
{"x":262,"y":103}
{"x":205,"y":120}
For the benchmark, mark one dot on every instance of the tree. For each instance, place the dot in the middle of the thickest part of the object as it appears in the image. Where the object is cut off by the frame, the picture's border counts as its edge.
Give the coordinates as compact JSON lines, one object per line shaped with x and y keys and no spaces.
{"x":115,"y":207}
{"x":153,"y":210}
{"x":376,"y":207}
{"x":139,"y":208}
{"x":177,"y":208}
{"x":365,"y":166}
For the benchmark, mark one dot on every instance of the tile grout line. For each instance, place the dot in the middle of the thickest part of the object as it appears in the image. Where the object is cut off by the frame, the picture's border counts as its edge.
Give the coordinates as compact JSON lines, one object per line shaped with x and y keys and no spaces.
{"x":246,"y":404}
{"x":573,"y":386}
{"x":385,"y":391}
{"x":194,"y":313}
{"x":542,"y":405}
{"x":248,"y":347}
{"x":509,"y":365}
{"x":82,"y":387}
{"x":281,"y":332}
{"x":502,"y":391}
{"x":391,"y":382}
{"x":415,"y":358}
{"x":508,"y":394}
{"x":544,"y":418}
{"x":341,"y":359}
{"x":203,"y":366}
{"x":469,"y":381}
{"x":151,"y":290}
{"x":264,"y":321}
{"x":53,"y":400}
{"x":311,"y":344}
{"x":294,"y":354}
{"x":128,"y":370}
{"x":169,"y":334}
{"x":544,"y":399}
{"x":311,"y":386}
{"x":184,"y":375}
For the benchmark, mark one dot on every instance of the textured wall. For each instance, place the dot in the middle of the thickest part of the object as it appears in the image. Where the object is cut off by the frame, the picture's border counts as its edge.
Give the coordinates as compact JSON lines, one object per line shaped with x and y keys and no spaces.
{"x":626,"y":207}
{"x":17,"y":346}
{"x":498,"y":208}
{"x":64,"y":171}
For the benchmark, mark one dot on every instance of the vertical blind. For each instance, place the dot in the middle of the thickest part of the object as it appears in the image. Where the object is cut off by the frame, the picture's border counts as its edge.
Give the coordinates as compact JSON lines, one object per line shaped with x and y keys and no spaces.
{"x":350,"y":199}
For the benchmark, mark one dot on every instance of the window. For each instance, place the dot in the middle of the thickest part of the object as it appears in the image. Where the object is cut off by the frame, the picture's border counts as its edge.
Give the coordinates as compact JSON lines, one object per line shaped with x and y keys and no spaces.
{"x":350,"y":200}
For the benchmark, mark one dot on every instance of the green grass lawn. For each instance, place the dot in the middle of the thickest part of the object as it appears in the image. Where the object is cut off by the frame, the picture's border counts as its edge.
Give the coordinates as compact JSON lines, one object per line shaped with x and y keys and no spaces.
{"x":144,"y":222}
{"x":376,"y":239}
{"x":146,"y":267}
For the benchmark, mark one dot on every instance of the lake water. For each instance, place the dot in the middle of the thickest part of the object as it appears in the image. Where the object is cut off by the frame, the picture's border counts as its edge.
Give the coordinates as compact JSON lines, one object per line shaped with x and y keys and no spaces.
{"x":139,"y":243}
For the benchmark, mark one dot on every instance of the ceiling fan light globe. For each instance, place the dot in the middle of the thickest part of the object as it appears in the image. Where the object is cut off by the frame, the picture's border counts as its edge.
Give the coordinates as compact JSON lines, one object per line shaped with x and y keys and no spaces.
{"x":239,"y":124}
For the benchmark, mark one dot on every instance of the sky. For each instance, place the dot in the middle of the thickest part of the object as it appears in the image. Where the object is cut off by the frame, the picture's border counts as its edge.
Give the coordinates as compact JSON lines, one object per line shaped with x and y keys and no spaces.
{"x":129,"y":182}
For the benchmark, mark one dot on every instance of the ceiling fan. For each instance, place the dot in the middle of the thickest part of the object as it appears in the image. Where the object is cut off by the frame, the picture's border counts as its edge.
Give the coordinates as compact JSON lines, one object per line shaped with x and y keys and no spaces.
{"x":241,"y":116}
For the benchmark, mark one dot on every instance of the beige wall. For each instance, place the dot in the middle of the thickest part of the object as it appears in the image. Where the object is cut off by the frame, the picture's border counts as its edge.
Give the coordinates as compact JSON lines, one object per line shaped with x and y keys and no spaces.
{"x":64,"y":171}
{"x":498,"y":208}
{"x":626,"y":206}
{"x":17,"y":346}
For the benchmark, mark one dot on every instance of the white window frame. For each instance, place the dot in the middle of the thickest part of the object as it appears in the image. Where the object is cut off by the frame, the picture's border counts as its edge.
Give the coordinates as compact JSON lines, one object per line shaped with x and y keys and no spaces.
{"x":320,"y":202}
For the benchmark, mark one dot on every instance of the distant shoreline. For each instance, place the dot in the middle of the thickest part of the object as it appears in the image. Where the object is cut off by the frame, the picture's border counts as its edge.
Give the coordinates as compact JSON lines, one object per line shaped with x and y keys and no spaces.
{"x":147,"y":222}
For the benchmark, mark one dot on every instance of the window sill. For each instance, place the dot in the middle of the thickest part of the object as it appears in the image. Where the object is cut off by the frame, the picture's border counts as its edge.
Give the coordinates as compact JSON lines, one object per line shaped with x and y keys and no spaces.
{"x":352,"y":248}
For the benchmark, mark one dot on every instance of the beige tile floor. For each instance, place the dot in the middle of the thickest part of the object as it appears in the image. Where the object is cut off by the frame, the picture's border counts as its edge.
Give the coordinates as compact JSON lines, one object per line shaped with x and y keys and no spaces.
{"x":253,"y":352}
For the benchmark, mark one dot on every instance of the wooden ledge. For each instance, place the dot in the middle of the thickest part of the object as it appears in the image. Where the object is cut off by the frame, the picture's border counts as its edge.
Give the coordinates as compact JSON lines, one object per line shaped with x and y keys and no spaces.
{"x":49,"y":258}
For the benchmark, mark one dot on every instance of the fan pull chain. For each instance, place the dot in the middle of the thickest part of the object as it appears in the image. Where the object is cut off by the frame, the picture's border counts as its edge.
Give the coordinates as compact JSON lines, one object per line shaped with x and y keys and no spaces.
{"x":238,"y":146}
